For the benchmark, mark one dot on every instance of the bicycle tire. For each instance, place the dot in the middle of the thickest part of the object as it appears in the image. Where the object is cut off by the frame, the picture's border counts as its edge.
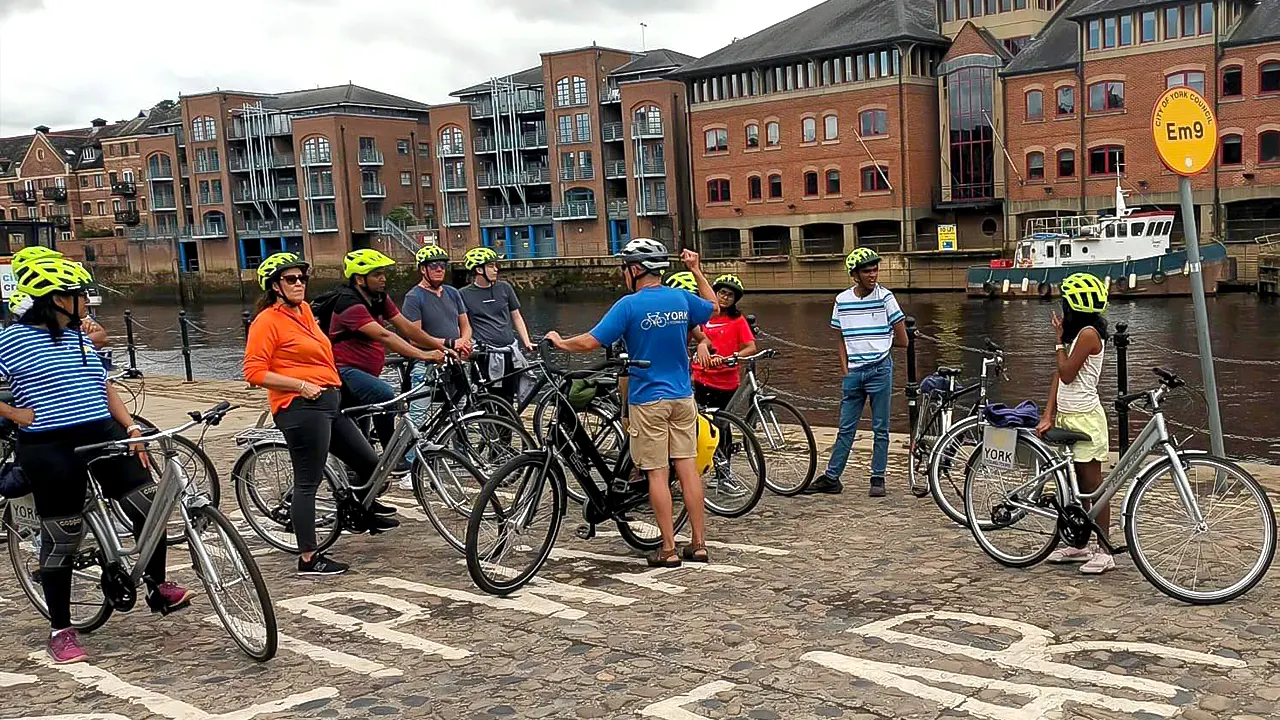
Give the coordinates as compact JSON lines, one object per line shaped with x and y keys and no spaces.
{"x":245,"y":562}
{"x":500,"y":425}
{"x":942,"y":452}
{"x":424,"y":493}
{"x":1240,"y":587}
{"x":548,"y":472}
{"x":494,"y":405}
{"x":175,"y":533}
{"x":918,"y":450}
{"x":771,"y":481}
{"x":250,"y":502}
{"x":632,"y":538}
{"x":755,"y":460}
{"x":31,"y":588}
{"x":979,"y":528}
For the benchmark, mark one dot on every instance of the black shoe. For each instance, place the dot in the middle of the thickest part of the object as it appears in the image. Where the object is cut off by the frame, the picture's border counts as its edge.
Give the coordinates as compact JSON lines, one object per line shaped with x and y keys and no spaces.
{"x":877,"y":486}
{"x":378,"y":524}
{"x":382,"y":510}
{"x":320,"y":565}
{"x":824,"y":485}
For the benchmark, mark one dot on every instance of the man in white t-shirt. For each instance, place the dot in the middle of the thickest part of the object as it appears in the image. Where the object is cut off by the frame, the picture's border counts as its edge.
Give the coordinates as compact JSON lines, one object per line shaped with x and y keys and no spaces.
{"x":871,"y":324}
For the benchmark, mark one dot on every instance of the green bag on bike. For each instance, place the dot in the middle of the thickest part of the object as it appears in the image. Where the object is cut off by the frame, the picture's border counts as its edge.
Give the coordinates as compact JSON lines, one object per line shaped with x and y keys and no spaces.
{"x":581,"y":393}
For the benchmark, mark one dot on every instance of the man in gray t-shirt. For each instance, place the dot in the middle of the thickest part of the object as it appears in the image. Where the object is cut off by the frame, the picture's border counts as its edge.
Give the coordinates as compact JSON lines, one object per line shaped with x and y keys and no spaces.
{"x":494,"y":310}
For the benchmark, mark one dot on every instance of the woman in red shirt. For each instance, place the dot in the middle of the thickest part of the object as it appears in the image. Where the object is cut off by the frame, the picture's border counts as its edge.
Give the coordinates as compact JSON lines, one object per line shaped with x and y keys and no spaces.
{"x":727,"y":335}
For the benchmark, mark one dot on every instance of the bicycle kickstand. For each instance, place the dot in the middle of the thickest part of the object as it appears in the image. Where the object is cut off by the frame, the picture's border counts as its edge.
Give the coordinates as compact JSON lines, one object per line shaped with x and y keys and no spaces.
{"x":587,"y":531}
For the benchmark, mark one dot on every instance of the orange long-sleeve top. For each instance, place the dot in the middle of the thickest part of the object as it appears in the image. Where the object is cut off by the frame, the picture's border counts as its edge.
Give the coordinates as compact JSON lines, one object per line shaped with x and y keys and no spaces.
{"x":289,"y":343}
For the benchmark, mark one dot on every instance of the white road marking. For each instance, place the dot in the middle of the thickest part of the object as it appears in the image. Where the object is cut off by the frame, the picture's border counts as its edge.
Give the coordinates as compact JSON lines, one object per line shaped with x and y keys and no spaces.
{"x":739,"y":547}
{"x":76,"y":716}
{"x":523,"y":601}
{"x":12,"y":679}
{"x":104,"y":682}
{"x":670,"y":709}
{"x":333,"y":657}
{"x":647,"y":579}
{"x":383,"y":631}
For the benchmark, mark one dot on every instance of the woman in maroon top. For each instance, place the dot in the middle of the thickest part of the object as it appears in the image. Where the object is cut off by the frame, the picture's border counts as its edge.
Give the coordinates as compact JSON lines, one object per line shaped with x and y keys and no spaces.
{"x":727,"y":335}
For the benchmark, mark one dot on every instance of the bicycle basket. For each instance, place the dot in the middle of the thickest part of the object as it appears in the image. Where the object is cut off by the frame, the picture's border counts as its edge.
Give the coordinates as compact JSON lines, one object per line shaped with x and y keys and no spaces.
{"x":933,"y":384}
{"x":1025,"y":415}
{"x":13,"y":484}
{"x":581,"y":393}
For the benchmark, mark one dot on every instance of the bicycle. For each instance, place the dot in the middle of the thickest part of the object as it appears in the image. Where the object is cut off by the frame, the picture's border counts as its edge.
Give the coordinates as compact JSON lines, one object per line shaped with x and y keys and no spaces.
{"x":111,"y":571}
{"x":790,"y":442}
{"x":263,"y":474}
{"x":1053,"y":497}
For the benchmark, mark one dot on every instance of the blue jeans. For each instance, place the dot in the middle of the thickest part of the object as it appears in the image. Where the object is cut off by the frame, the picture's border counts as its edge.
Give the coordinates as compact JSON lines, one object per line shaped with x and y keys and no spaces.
{"x":873,"y":381}
{"x":361,"y":388}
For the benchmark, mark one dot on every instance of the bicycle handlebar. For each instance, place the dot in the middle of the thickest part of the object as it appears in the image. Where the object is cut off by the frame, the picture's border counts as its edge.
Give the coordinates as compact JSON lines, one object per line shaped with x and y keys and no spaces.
{"x":761,"y":355}
{"x":623,"y":362}
{"x":212,"y":416}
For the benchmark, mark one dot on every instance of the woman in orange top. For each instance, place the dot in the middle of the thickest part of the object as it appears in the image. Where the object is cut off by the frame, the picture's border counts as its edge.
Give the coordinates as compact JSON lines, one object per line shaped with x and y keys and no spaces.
{"x":291,"y":357}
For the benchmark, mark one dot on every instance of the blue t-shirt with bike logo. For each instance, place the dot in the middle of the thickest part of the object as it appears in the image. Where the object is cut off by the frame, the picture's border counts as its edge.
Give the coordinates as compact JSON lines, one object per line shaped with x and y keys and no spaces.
{"x":654,"y":323}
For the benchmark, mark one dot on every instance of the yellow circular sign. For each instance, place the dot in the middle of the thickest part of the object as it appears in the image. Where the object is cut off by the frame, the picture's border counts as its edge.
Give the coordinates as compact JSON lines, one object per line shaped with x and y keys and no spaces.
{"x":1185,"y":131}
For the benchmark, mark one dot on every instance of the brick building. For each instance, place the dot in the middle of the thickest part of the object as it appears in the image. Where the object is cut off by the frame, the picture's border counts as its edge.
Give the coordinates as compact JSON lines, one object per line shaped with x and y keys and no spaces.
{"x":567,"y":159}
{"x":212,"y":184}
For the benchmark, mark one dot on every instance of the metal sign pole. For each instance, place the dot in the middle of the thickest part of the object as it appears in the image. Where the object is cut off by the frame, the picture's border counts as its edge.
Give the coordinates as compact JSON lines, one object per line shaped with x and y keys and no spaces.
{"x":1202,"y":319}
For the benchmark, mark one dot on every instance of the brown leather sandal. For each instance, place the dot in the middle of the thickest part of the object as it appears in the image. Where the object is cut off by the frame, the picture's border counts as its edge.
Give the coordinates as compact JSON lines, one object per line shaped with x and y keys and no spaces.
{"x":695,"y":553}
{"x":663,"y":557}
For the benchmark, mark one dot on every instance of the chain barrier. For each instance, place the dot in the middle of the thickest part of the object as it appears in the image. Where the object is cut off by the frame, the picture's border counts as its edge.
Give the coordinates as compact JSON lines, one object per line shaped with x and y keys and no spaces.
{"x":966,"y":348}
{"x":824,"y":403}
{"x":214,"y":333}
{"x":798,"y":346}
{"x":1216,"y":359}
{"x":138,"y":324}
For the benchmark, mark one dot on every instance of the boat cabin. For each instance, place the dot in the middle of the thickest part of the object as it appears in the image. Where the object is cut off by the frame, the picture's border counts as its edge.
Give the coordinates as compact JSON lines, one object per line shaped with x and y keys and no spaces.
{"x":1085,"y":239}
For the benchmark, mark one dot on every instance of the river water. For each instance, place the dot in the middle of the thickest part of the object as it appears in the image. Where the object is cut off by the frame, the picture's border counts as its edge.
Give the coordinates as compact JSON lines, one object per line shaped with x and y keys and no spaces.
{"x":807,"y":368}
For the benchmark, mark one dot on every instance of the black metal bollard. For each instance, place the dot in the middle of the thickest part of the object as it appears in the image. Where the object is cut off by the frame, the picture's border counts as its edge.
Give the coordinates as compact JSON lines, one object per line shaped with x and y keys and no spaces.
{"x":129,"y":344}
{"x":913,"y":384}
{"x":245,"y":318}
{"x":1122,"y":382}
{"x":186,"y":344}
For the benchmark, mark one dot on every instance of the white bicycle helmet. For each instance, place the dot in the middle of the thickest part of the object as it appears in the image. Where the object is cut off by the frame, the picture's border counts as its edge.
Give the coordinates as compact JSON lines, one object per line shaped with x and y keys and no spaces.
{"x":647,"y":253}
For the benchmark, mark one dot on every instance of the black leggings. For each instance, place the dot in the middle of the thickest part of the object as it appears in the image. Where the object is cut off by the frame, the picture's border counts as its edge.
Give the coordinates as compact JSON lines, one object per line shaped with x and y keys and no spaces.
{"x":60,"y":482}
{"x":313,"y":429}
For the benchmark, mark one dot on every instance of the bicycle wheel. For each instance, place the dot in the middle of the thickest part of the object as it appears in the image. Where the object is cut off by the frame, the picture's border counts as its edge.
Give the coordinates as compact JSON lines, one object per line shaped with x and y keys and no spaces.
{"x":487,"y":441}
{"x":263,"y":479}
{"x":640,"y":528}
{"x":446,"y":486}
{"x":1223,"y":491}
{"x":504,"y":551}
{"x":89,"y":607}
{"x":924,"y":436}
{"x":493,"y":405}
{"x":789,"y":449}
{"x":1003,"y":506}
{"x":609,"y":439}
{"x":737,"y":477}
{"x":947,"y":462}
{"x":235,"y":586}
{"x":200,"y":476}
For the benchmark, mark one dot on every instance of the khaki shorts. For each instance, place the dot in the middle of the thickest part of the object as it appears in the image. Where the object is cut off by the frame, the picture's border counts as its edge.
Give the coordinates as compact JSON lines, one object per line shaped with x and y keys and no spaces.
{"x":663,"y":431}
{"x":1092,"y":423}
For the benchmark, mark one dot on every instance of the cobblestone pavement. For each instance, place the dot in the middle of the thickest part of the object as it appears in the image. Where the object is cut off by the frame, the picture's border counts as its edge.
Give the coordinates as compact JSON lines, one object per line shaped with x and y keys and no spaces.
{"x":827,"y":607}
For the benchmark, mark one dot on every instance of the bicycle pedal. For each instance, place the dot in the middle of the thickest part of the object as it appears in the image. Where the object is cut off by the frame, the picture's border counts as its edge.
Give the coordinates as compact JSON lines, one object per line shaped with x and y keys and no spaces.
{"x":586,"y":532}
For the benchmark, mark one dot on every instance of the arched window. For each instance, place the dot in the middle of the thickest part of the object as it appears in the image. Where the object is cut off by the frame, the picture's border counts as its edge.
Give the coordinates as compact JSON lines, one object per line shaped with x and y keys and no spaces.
{"x":718,"y":191}
{"x":717,"y":140}
{"x":1269,"y":77}
{"x":754,"y":190}
{"x":833,"y":182}
{"x":809,"y":130}
{"x":1232,"y":150}
{"x":1035,"y":105}
{"x":648,"y":120}
{"x":830,"y":127}
{"x":1193,"y":80}
{"x":451,"y":141}
{"x":571,"y":91}
{"x":215,"y":223}
{"x":315,"y":151}
{"x":1035,"y":166}
{"x":1269,"y":147}
{"x":1232,"y":81}
{"x":1066,"y":100}
{"x":1066,"y":163}
{"x":753,"y":135}
{"x":160,"y":167}
{"x":203,"y":128}
{"x":810,"y":184}
{"x":772,"y":134}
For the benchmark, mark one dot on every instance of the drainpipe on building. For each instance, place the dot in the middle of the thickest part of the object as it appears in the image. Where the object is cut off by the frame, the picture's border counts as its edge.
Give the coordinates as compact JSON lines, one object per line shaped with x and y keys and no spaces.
{"x":693,"y":205}
{"x":1082,"y":107}
{"x":902,"y":152}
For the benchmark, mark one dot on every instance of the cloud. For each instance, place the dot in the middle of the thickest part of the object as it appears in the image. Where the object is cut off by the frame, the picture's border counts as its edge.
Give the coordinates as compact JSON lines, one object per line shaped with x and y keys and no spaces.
{"x":575,"y":11}
{"x":14,"y":7}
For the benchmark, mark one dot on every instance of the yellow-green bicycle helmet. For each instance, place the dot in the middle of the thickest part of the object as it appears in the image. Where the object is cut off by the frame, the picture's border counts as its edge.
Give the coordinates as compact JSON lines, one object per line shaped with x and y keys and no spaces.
{"x":477,"y":257}
{"x":1084,"y":293}
{"x":431,"y":253}
{"x":275,"y":264}
{"x":45,"y":275}
{"x":733,"y":282}
{"x":35,"y":252}
{"x":682,"y":281}
{"x":363,"y":262}
{"x":19,"y":304}
{"x":860,"y":258}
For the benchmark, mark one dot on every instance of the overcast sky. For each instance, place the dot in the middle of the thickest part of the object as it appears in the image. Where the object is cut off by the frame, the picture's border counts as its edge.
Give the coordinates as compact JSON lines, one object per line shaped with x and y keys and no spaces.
{"x":64,"y":62}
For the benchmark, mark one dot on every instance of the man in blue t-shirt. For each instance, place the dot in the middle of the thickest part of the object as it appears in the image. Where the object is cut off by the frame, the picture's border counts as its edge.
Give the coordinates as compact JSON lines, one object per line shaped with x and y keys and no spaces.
{"x":654,"y":322}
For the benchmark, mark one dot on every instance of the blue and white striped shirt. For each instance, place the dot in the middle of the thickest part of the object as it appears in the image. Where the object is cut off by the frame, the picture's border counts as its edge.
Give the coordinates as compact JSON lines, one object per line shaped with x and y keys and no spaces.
{"x":61,"y":384}
{"x":866,"y":323}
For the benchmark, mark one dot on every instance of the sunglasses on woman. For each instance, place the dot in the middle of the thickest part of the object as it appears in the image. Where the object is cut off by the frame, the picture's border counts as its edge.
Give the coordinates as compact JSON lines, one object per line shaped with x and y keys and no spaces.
{"x":294,"y":279}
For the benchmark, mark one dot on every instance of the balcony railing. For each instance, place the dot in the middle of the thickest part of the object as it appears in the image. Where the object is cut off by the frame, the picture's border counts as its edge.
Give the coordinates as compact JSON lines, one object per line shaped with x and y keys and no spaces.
{"x":451,"y":150}
{"x":611,"y":132}
{"x":317,"y":158}
{"x":585,"y":172}
{"x":966,"y":195}
{"x":481,"y":109}
{"x":255,"y":228}
{"x":242,"y":163}
{"x":55,"y":193}
{"x":454,"y":182}
{"x":209,"y":230}
{"x":318,"y":190}
{"x":540,"y":175}
{"x":126,"y":188}
{"x":373,"y":222}
{"x":485,"y":144}
{"x":24,"y":196}
{"x":275,"y":125}
{"x":127,"y":217}
{"x":211,"y":198}
{"x":185,"y":169}
{"x":161,"y":172}
{"x":653,"y":166}
{"x":514,"y":214}
{"x":533,"y":139}
{"x":163,"y":201}
{"x":578,"y":210}
{"x":615,"y":168}
{"x":488,"y":179}
{"x":653,"y":206}
{"x":164,"y":232}
{"x":61,"y":220}
{"x":619,"y":209}
{"x":647,"y":129}
{"x":373,"y":189}
{"x":611,"y":95}
{"x":370,"y":156}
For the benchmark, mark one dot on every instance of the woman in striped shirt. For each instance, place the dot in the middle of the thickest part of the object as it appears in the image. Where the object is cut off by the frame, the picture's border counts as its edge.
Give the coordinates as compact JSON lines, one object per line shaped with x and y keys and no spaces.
{"x":62,"y":401}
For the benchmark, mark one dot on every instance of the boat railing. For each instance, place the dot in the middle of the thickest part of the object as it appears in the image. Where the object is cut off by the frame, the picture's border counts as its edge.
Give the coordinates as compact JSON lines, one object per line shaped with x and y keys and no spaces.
{"x":1069,"y":225}
{"x":1268,"y":243}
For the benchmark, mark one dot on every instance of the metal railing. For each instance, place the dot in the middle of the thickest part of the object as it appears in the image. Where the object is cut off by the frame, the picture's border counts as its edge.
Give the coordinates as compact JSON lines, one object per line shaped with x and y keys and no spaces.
{"x":61,"y":220}
{"x":615,"y":168}
{"x":162,"y":172}
{"x":324,"y":226}
{"x":23,"y":196}
{"x":619,"y":209}
{"x":55,"y":193}
{"x":373,"y":222}
{"x":268,"y":227}
{"x":488,"y":179}
{"x":481,"y":109}
{"x":533,"y":139}
{"x":316,"y":158}
{"x":653,"y":206}
{"x":275,"y":125}
{"x":373,"y":189}
{"x":126,"y":188}
{"x":211,"y":198}
{"x":577,"y":210}
{"x":450,"y":150}
{"x":163,"y":201}
{"x":454,"y":182}
{"x":370,"y":156}
{"x":484,"y":143}
{"x":209,"y":230}
{"x":513,"y":214}
{"x":127,"y":217}
{"x":320,"y":189}
{"x":647,"y":129}
{"x":585,"y":172}
{"x":653,"y":166}
{"x":148,"y":232}
{"x":611,"y":132}
{"x":242,"y":163}
{"x":611,"y":95}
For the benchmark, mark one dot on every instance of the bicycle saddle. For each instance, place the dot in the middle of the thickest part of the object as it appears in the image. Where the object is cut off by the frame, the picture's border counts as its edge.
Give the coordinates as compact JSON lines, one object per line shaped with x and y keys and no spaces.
{"x":950,"y":372}
{"x":1058,"y":436}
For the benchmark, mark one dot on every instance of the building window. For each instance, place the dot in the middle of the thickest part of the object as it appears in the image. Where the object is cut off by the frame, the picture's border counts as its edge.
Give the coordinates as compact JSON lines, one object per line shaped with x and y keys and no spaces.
{"x":1109,"y":32}
{"x":1066,"y":100}
{"x":102,"y":207}
{"x":1066,"y":163}
{"x":565,"y":130}
{"x":402,"y":147}
{"x":316,"y":151}
{"x":717,"y":140}
{"x":1095,"y":34}
{"x":1126,"y":30}
{"x":1269,"y":147}
{"x":1171,"y":23}
{"x":1269,"y":77}
{"x":811,"y":184}
{"x":583,"y":122}
{"x":424,"y":149}
{"x":718,"y":191}
{"x":1232,"y":82}
{"x":97,"y":179}
{"x":1189,"y":18}
{"x":204,"y":128}
{"x":1206,"y":18}
{"x":809,"y":130}
{"x":875,"y":179}
{"x":1035,"y":105}
{"x":830,"y":128}
{"x":1035,"y":166}
{"x":874,"y":122}
{"x":84,"y":181}
{"x":451,"y":141}
{"x":753,"y":135}
{"x":833,"y":182}
{"x":1232,"y":150}
{"x":772,"y":134}
{"x":571,"y":91}
{"x":86,"y":209}
{"x":424,"y":180}
{"x":753,"y":187}
{"x":1106,"y":96}
{"x":1148,"y":29}
{"x":1106,"y":160}
{"x":1193,"y":80}
{"x":406,"y":178}
{"x":775,"y":186}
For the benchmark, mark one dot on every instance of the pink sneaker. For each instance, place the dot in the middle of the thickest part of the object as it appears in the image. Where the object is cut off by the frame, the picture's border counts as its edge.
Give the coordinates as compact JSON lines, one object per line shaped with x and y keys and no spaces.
{"x":168,"y":597}
{"x":64,"y":647}
{"x":1070,"y":555}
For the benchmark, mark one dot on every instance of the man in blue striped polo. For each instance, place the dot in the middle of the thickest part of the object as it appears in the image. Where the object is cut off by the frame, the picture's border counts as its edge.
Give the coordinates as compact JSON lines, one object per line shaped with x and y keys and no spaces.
{"x":871,"y":324}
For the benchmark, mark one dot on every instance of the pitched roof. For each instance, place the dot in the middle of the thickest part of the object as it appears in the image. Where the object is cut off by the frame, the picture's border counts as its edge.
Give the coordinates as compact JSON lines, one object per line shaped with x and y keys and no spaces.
{"x":659,"y":59}
{"x":338,"y":95}
{"x":832,"y":25}
{"x":532,"y":76}
{"x":1260,"y":23}
{"x":1111,"y":7}
{"x":1056,"y":47}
